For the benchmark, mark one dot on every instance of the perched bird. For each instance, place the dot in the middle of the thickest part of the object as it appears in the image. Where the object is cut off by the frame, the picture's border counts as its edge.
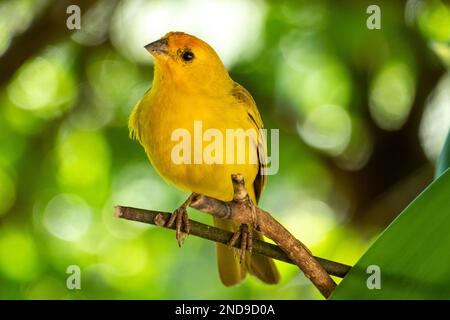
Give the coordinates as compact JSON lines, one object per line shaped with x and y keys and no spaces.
{"x":191,"y":85}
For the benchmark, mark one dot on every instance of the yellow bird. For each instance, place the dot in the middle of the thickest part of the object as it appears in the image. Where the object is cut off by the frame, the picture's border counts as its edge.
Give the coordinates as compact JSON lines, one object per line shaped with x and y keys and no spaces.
{"x":192,"y":87}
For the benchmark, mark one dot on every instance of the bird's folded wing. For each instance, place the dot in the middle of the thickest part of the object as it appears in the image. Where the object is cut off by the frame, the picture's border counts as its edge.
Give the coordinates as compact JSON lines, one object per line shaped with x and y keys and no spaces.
{"x":246,"y":100}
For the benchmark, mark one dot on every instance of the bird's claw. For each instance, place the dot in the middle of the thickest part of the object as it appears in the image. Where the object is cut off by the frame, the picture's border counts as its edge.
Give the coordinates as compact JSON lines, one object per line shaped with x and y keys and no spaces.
{"x":254,"y":214}
{"x":181,"y":220}
{"x":246,"y":244}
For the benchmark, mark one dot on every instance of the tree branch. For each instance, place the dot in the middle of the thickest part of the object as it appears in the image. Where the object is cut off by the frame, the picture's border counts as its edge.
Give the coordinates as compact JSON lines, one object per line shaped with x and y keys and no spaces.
{"x":242,"y":210}
{"x":208,"y":232}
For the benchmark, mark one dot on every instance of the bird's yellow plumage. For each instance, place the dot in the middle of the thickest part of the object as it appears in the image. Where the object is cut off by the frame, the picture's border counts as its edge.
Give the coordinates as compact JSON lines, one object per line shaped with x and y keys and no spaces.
{"x":192,"y":86}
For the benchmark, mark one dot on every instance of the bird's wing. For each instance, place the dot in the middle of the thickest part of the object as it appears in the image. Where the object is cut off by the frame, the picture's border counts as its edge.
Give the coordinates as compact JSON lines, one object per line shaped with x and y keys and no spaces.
{"x":262,"y":267}
{"x":133,"y":122}
{"x":245,"y":99}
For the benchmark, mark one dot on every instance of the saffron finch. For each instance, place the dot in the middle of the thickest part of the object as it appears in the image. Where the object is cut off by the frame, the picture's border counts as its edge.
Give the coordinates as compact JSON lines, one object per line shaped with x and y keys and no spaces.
{"x":192,"y":87}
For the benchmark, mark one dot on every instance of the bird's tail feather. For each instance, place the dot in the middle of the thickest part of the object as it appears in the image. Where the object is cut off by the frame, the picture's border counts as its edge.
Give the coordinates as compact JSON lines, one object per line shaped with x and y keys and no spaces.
{"x":262,"y":267}
{"x":231,"y":271}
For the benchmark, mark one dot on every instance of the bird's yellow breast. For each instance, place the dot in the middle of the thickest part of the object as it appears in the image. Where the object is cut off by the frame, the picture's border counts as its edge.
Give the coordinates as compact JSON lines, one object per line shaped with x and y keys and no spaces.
{"x":165,"y":118}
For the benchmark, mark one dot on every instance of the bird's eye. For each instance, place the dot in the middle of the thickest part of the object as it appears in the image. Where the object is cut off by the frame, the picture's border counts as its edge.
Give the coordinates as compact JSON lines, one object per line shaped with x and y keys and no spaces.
{"x":187,"y":55}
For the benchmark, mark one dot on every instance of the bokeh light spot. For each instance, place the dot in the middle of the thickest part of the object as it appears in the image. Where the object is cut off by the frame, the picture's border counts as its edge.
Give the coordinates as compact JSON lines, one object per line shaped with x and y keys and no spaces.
{"x":391,"y":95}
{"x":308,"y":77}
{"x":359,"y":149}
{"x":328,"y":128}
{"x":231,"y":27}
{"x":36,"y":87}
{"x":126,"y":264}
{"x":18,"y":255}
{"x":15,"y":17}
{"x":95,"y":24}
{"x":305,"y":217}
{"x":138,"y":186}
{"x":21,"y":120}
{"x":434,"y":20}
{"x":117,"y":87}
{"x":46,"y":288}
{"x":44,"y":85}
{"x":435,"y":123}
{"x":67,"y":217}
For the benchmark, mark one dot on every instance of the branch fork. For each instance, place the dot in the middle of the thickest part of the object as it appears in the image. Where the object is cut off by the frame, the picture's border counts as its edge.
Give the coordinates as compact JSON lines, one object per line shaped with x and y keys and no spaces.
{"x":242,"y":210}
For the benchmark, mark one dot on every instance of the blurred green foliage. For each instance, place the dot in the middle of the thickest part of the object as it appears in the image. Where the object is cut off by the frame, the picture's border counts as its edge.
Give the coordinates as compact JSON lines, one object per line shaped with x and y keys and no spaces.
{"x":339,"y":92}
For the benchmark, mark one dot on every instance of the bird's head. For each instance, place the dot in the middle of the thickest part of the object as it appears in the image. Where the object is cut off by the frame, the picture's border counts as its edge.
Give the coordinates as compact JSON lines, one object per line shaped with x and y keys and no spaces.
{"x":187,"y":58}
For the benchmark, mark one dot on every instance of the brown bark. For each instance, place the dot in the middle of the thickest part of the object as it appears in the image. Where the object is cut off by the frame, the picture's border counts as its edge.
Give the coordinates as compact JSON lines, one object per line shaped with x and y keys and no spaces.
{"x":242,"y":210}
{"x":208,"y":232}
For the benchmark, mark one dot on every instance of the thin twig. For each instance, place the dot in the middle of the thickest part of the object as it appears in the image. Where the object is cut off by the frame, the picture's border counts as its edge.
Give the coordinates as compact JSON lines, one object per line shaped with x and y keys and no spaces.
{"x":208,"y":232}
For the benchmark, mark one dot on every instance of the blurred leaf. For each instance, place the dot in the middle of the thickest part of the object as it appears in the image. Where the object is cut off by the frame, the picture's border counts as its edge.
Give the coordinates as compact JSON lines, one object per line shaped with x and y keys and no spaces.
{"x":409,"y":253}
{"x":434,"y":20}
{"x":444,"y":159}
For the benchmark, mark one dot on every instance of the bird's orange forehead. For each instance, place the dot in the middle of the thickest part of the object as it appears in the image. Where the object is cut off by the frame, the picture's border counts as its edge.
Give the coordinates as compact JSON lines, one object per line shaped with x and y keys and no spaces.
{"x":183,"y":40}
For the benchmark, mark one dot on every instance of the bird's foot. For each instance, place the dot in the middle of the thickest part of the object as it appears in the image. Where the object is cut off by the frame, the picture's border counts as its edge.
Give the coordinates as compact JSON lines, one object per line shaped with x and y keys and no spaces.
{"x":246,"y":238}
{"x":254,"y":214}
{"x":181,"y":219}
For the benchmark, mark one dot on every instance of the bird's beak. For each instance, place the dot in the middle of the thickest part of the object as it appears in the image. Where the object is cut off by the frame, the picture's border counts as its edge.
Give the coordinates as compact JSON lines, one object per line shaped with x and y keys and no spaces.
{"x":158,"y":47}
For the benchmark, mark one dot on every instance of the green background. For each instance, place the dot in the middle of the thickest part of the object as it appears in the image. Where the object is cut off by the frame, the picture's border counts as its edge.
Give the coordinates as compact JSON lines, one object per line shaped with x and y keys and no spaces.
{"x":363,"y":115}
